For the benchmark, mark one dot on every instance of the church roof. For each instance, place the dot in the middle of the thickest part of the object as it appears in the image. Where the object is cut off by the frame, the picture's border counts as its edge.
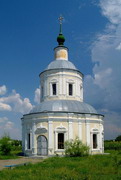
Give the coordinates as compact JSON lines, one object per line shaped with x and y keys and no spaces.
{"x":61,"y":64}
{"x":64,"y":106}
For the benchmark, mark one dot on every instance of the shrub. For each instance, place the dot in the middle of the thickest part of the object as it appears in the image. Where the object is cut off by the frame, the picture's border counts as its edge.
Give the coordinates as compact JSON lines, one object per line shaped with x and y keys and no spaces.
{"x":5,"y":145}
{"x":16,"y":145}
{"x":112,"y":145}
{"x":76,"y":148}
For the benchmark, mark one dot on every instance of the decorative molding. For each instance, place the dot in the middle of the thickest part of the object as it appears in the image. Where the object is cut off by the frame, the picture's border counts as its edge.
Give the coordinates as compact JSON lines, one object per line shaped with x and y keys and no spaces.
{"x":60,"y":128}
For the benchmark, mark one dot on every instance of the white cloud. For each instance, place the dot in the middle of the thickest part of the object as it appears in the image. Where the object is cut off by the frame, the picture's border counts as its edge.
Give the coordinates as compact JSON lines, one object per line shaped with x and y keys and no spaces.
{"x":37,"y":96}
{"x":103,"y":90}
{"x":118,"y":47}
{"x":5,"y":123}
{"x":112,"y":10}
{"x":8,"y":127}
{"x":3,"y":119}
{"x":3,"y":90}
{"x":5,"y":107}
{"x":14,"y":102}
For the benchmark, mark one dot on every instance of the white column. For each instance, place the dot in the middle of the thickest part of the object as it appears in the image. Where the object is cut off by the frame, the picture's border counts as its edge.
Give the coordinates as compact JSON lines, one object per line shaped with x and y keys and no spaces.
{"x":56,"y":141}
{"x":25,"y":140}
{"x":80,"y":130}
{"x":74,"y":89}
{"x":50,"y":137}
{"x":100,"y":138}
{"x":33,"y":138}
{"x":64,"y":84}
{"x":88,"y":134}
{"x":70,"y":130}
{"x":30,"y":139}
{"x":23,"y":137}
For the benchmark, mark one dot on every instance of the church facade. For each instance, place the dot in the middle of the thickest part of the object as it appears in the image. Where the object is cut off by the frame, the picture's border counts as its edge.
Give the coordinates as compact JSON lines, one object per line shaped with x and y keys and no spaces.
{"x":61,"y":115}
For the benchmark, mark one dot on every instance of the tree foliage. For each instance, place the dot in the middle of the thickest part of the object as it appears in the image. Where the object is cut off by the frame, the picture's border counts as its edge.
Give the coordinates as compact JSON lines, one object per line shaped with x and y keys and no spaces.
{"x":118,"y":138}
{"x":76,"y":148}
{"x":5,"y":145}
{"x":16,"y":144}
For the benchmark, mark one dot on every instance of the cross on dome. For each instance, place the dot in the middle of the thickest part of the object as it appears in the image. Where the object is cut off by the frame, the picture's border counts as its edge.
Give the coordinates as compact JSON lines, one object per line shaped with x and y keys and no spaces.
{"x":60,"y":38}
{"x":61,"y":18}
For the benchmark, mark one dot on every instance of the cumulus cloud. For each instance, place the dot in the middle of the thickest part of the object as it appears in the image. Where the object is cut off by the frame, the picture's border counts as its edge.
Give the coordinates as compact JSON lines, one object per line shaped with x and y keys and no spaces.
{"x":3,"y":90}
{"x":8,"y":127}
{"x":14,"y":102}
{"x":5,"y":123}
{"x":3,"y":119}
{"x":103,"y":90}
{"x":37,"y":96}
{"x":118,"y":47}
{"x":112,"y":10}
{"x":5,"y":107}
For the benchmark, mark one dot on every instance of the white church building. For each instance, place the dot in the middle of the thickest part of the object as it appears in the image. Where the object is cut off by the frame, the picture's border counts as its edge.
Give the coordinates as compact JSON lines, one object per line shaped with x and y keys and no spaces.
{"x":61,"y":115}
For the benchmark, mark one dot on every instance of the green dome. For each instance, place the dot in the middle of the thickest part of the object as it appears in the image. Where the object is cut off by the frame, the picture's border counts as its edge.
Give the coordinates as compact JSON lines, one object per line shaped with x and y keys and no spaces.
{"x":60,"y":39}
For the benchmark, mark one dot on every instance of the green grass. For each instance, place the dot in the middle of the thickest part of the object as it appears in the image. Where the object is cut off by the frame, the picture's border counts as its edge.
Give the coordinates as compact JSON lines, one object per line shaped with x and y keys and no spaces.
{"x":96,"y":167}
{"x":13,"y":155}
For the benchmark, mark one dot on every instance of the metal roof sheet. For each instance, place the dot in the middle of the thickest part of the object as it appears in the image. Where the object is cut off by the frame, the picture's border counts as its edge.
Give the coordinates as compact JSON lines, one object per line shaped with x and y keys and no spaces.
{"x":58,"y":64}
{"x":64,"y":106}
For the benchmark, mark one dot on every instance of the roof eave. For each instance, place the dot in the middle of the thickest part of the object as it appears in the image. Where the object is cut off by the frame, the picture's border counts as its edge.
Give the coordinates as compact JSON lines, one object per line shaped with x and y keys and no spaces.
{"x":62,"y":69}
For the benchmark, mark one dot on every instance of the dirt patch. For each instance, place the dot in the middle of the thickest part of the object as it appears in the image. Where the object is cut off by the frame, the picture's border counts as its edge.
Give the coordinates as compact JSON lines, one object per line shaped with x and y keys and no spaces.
{"x":19,"y":161}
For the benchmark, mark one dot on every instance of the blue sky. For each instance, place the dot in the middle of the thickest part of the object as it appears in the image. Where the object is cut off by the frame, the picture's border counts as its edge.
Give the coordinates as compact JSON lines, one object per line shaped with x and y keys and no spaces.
{"x":28,"y":32}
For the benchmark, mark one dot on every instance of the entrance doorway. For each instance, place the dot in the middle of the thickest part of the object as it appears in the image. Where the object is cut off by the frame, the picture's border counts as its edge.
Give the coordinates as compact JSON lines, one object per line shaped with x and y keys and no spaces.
{"x":42,"y":146}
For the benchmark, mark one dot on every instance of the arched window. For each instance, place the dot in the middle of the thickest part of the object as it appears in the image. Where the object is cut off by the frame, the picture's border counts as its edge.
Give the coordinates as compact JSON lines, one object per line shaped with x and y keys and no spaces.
{"x":28,"y":141}
{"x":94,"y":141}
{"x":42,"y":92}
{"x":70,"y":89}
{"x":54,"y":89}
{"x":60,"y":140}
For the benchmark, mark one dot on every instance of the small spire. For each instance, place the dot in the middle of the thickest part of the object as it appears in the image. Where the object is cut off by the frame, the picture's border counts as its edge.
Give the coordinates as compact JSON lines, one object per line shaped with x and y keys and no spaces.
{"x":60,"y":38}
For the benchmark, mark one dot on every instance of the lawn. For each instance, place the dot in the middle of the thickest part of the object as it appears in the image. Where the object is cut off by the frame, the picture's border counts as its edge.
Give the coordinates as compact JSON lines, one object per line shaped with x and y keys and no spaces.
{"x":12,"y":155}
{"x":96,"y":167}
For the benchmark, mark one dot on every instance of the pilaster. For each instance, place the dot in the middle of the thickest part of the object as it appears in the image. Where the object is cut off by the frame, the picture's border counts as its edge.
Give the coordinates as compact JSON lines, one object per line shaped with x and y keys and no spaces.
{"x":33,"y":138}
{"x":80,"y":130}
{"x":88,"y":134}
{"x":50,"y":137}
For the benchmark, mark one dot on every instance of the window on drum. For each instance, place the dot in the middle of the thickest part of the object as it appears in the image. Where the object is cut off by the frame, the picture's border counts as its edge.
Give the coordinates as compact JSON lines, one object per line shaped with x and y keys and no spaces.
{"x":70,"y":89}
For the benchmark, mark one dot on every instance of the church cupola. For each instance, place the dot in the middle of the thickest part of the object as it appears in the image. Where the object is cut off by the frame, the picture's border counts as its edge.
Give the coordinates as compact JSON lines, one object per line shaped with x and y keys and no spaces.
{"x":61,"y":52}
{"x":60,"y":38}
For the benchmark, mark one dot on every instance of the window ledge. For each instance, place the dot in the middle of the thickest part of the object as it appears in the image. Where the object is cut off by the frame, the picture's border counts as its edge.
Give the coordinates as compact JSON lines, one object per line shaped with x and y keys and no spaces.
{"x":60,"y":150}
{"x":95,"y":150}
{"x":53,"y":96}
{"x":28,"y":150}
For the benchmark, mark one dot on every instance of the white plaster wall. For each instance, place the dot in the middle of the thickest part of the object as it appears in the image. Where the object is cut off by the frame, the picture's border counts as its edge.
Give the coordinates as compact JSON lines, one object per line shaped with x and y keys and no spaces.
{"x":62,"y":79}
{"x":80,"y":125}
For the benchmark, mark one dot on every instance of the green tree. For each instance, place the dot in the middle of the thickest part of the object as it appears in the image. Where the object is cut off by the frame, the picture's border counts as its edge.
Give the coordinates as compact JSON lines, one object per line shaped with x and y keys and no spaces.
{"x":118,"y":138}
{"x":16,"y":144}
{"x":76,"y":148}
{"x":5,"y":145}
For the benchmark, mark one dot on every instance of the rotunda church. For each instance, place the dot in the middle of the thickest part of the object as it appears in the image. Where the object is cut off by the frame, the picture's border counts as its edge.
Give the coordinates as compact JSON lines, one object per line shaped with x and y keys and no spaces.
{"x":61,"y":115}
